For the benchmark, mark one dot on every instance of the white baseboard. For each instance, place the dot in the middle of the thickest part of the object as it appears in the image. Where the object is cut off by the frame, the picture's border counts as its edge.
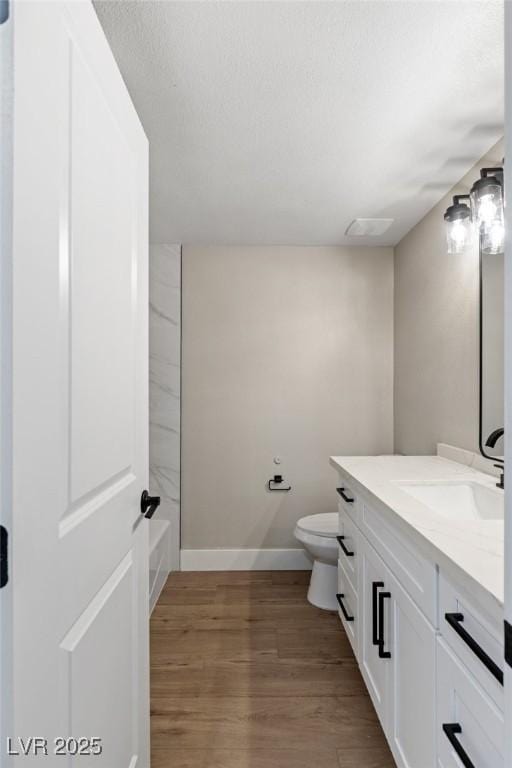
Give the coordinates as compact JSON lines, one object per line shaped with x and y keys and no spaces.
{"x":244,"y":560}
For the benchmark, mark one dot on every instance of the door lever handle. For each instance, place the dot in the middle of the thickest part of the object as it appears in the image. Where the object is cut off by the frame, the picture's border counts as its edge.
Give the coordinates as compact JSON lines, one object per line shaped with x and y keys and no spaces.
{"x":149,"y":504}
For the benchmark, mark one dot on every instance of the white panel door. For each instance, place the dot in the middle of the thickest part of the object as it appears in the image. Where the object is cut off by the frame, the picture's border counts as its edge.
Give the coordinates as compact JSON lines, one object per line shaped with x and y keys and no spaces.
{"x":6,"y":78}
{"x":508,"y":383}
{"x":79,"y":403}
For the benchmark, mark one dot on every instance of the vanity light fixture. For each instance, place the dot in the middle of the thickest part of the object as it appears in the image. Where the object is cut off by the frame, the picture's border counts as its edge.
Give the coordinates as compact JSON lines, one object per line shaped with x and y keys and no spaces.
{"x":459,"y":229}
{"x":487,"y":197}
{"x":484,"y":216}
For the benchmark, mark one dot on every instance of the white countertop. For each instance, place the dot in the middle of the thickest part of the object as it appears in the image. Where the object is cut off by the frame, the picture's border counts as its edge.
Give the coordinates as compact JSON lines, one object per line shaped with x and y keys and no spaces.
{"x":472,"y":548}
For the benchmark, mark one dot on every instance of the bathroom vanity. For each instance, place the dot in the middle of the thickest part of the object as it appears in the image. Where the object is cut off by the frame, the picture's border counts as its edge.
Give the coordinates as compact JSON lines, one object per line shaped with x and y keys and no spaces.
{"x":420,"y":592}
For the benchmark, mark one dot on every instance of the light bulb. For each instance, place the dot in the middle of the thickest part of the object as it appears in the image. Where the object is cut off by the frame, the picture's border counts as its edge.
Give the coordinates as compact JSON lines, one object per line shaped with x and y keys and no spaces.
{"x":486,"y":209}
{"x":494,"y":238}
{"x":458,"y":235}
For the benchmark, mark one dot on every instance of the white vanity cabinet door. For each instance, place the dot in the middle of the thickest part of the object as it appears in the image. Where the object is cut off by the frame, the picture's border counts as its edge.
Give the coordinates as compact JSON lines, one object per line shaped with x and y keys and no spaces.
{"x":464,"y":705}
{"x":412,"y":642}
{"x":400,"y":670}
{"x":376,"y":671}
{"x":417,"y":574}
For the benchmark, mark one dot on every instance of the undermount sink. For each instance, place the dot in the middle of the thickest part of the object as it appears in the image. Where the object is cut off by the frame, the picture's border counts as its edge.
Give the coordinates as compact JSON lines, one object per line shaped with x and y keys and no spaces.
{"x":458,"y":500}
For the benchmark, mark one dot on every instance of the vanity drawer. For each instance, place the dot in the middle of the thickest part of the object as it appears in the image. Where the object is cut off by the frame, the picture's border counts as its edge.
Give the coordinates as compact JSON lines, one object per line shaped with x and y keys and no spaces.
{"x":348,"y":546}
{"x":466,"y":717}
{"x":347,"y":499}
{"x":477,"y":639}
{"x":416,"y":574}
{"x":348,"y":609}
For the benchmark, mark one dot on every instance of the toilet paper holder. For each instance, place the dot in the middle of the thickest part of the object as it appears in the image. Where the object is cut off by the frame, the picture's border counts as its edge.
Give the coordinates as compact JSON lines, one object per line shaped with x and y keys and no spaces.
{"x":276,"y":483}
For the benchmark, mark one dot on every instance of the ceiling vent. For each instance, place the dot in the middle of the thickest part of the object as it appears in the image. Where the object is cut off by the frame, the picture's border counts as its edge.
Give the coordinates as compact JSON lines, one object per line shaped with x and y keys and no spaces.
{"x":368,"y":227}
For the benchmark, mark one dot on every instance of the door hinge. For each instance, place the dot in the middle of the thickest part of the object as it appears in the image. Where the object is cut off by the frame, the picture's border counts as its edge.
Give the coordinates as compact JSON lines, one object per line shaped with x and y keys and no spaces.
{"x":4,"y":557}
{"x":4,"y":11}
{"x":508,"y":643}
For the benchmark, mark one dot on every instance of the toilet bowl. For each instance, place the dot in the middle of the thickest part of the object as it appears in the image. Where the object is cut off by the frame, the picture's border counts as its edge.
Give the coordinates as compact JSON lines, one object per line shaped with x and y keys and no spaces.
{"x":317,"y":533}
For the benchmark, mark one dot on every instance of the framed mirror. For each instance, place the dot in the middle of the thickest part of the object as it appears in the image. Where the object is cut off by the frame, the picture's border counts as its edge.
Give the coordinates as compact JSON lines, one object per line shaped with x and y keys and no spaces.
{"x":492,"y":323}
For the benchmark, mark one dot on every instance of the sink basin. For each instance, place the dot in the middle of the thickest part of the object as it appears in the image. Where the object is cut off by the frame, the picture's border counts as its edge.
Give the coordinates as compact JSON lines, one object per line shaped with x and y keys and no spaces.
{"x":458,"y":500}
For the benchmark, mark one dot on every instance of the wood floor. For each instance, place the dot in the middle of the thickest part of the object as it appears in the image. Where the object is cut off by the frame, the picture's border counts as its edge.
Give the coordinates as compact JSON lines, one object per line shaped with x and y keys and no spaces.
{"x":246,"y":674}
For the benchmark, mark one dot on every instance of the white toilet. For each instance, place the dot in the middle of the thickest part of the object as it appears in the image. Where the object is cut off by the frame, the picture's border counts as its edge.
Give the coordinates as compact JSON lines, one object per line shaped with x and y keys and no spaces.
{"x":318,"y":535}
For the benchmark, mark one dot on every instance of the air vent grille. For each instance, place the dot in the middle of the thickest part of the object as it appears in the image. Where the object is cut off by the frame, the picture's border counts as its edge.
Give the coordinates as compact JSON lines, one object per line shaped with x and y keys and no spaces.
{"x":368,"y":227}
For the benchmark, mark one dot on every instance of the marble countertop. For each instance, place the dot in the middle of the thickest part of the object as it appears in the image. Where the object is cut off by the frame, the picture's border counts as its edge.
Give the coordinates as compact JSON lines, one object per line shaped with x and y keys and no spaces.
{"x":471,"y":549}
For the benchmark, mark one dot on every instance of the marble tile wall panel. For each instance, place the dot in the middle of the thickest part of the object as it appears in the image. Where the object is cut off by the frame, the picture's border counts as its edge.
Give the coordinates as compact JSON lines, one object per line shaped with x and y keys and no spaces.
{"x":164,"y":386}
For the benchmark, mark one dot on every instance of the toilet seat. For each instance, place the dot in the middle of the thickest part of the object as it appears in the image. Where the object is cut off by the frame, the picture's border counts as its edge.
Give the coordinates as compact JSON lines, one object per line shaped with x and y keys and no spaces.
{"x":324,"y":524}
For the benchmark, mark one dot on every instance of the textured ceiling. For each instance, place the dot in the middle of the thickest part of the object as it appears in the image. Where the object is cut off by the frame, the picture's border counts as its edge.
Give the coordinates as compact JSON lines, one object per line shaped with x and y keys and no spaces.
{"x":280,"y":122}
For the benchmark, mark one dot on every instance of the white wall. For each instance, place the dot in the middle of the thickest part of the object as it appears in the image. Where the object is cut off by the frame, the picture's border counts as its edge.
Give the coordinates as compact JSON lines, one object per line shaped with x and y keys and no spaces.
{"x":436,"y":334}
{"x":493,"y":345}
{"x":164,"y":387}
{"x":287,"y":351}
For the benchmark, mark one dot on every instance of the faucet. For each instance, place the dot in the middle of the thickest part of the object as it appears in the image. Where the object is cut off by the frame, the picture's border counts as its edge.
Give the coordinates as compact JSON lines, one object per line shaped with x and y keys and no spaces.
{"x":490,"y":443}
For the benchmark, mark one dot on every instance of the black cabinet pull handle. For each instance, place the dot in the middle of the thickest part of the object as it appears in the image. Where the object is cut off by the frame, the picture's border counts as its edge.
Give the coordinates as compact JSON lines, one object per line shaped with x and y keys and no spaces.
{"x":451,"y":731}
{"x":149,"y":504}
{"x":4,"y":557}
{"x":455,"y":621}
{"x":339,"y":598}
{"x":382,"y":653}
{"x":344,"y":496}
{"x":341,"y":542}
{"x":376,"y":585}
